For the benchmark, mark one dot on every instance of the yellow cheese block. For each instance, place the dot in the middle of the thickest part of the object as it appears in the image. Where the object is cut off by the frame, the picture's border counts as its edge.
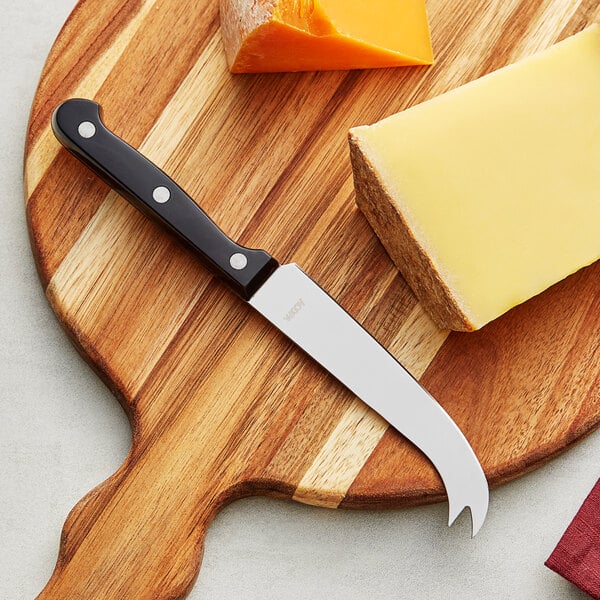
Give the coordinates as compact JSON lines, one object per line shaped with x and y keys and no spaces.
{"x":310,"y":35}
{"x":489,"y":194}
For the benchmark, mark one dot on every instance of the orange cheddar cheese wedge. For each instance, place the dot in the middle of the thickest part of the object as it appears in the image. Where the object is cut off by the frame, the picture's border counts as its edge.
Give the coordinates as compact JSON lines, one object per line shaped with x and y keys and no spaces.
{"x":315,"y":35}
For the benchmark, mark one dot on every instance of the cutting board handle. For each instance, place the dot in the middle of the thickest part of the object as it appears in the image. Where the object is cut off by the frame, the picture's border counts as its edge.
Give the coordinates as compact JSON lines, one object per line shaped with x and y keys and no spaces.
{"x":137,"y":537}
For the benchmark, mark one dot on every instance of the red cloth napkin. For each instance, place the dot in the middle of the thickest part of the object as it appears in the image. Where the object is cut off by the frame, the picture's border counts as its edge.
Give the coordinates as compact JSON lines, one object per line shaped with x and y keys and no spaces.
{"x":577,"y":556}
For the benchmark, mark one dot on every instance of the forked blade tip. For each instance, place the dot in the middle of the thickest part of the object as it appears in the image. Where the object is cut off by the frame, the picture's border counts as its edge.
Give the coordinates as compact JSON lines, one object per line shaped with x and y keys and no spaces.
{"x":478,"y":515}
{"x":478,"y":512}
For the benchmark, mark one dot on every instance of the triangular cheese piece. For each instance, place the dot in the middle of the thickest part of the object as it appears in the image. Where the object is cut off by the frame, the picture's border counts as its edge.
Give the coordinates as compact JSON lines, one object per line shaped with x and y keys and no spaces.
{"x":315,"y":35}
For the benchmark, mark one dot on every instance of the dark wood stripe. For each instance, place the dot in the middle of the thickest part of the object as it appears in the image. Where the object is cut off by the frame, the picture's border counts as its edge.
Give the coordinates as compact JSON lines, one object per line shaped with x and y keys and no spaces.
{"x":59,"y":194}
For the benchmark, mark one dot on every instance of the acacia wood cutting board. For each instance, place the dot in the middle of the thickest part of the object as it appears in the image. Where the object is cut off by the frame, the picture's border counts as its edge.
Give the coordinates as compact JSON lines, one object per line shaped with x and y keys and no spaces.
{"x":221,"y":404}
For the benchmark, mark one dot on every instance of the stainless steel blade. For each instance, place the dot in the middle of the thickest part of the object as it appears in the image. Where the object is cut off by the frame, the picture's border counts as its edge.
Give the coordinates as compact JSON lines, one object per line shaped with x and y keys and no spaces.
{"x":305,"y":313}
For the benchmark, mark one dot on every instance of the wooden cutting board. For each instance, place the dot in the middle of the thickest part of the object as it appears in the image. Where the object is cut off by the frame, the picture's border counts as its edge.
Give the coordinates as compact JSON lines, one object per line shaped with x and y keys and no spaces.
{"x":221,"y":405}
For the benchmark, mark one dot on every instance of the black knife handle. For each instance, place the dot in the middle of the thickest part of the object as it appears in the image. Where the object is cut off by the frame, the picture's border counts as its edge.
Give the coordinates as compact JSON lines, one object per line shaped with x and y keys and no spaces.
{"x":78,"y":126}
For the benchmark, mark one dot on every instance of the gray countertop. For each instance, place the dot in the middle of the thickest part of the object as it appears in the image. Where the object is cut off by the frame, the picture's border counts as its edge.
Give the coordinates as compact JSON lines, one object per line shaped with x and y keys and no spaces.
{"x":62,"y":433}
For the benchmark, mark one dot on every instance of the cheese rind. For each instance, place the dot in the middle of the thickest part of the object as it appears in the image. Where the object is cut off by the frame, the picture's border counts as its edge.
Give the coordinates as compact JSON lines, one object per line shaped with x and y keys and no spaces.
{"x":487,"y":195}
{"x":310,"y":35}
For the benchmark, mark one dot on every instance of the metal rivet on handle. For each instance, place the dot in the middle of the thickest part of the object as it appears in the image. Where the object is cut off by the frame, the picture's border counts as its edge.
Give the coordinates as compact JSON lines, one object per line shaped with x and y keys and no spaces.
{"x":161,"y":194}
{"x":238,"y":261}
{"x":86,"y":129}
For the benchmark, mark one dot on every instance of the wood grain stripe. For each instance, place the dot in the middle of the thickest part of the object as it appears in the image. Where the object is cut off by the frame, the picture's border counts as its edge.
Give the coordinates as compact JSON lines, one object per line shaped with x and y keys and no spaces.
{"x":176,"y":120}
{"x":542,"y":28}
{"x":67,"y":65}
{"x":45,"y":149}
{"x":588,"y":13}
{"x":417,"y":342}
{"x":341,"y":458}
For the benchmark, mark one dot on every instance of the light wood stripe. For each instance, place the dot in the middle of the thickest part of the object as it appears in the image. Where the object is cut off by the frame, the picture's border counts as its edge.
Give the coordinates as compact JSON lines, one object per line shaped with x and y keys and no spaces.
{"x":46,"y":147}
{"x":352,"y":442}
{"x":542,"y":30}
{"x":417,"y":342}
{"x":341,"y":457}
{"x":177,"y":118}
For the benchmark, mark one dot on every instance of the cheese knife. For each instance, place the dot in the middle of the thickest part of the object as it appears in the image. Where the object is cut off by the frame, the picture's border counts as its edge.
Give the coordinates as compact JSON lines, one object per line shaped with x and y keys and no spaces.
{"x":290,"y":300}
